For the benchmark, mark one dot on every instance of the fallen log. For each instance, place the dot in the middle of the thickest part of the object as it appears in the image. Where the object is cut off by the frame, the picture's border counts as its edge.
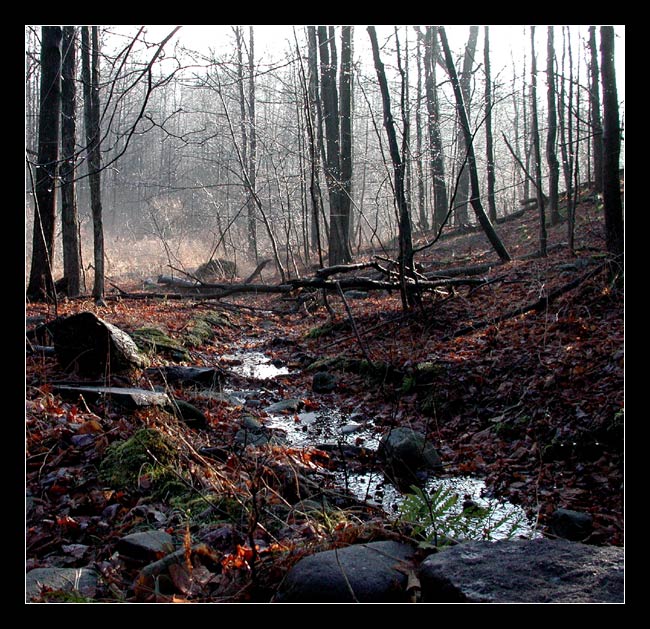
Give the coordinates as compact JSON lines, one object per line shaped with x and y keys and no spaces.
{"x":541,"y":304}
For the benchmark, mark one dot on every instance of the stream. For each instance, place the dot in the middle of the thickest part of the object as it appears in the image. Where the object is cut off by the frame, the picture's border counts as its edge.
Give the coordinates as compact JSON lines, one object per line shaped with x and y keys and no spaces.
{"x":331,"y":426}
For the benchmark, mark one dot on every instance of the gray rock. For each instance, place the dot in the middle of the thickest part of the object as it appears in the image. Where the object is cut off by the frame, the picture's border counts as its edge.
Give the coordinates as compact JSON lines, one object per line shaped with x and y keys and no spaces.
{"x":524,"y":571}
{"x":323,"y":382}
{"x":127,"y":397}
{"x":81,"y":580}
{"x":571,"y":525}
{"x":367,"y":573}
{"x":188,"y":413}
{"x":292,"y":405}
{"x":202,"y":376}
{"x":403,"y":452}
{"x":152,"y":544}
{"x":90,"y":345}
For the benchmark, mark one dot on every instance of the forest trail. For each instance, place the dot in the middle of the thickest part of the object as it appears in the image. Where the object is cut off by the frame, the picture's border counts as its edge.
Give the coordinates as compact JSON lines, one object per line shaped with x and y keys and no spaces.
{"x":532,"y":403}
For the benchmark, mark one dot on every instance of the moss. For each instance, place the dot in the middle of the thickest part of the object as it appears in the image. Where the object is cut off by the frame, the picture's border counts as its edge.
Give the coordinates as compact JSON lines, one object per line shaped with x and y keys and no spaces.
{"x":156,"y":340}
{"x":148,"y":452}
{"x":197,"y":332}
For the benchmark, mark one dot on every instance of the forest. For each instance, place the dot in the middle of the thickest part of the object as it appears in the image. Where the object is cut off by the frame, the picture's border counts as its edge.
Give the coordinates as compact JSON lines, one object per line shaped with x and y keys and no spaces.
{"x":314,"y":313}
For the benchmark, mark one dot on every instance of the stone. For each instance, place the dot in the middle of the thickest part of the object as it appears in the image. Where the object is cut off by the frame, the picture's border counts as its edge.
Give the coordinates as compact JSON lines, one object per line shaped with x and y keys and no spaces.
{"x":571,"y":525}
{"x":403,"y":453}
{"x":91,"y":346}
{"x":323,"y":382}
{"x":200,"y":376}
{"x":81,"y":580}
{"x":368,"y":573}
{"x":127,"y":397}
{"x":189,"y":414}
{"x":524,"y":571}
{"x":146,"y":545}
{"x":292,"y":405}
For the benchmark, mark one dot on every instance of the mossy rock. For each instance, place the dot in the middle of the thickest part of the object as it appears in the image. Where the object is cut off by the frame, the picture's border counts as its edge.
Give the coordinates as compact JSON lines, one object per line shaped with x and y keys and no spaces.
{"x":156,"y":340}
{"x":188,"y":413}
{"x":198,"y":332}
{"x":148,"y":452}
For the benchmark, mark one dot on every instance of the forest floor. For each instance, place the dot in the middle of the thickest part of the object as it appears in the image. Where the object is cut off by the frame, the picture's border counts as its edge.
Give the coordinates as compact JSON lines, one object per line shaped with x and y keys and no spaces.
{"x":532,"y":403}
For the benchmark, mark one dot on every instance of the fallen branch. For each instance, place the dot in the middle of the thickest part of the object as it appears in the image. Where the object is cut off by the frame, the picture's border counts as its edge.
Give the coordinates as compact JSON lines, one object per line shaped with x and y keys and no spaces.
{"x":364,"y":350}
{"x":541,"y":304}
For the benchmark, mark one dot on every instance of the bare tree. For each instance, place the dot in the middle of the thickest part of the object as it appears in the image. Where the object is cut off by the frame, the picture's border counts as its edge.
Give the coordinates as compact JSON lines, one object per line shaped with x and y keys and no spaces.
{"x":90,"y":73}
{"x":481,"y":216}
{"x":551,"y":136}
{"x":489,"y":150}
{"x":437,"y":162}
{"x":339,"y":248}
{"x":594,"y":110}
{"x":465,"y":83}
{"x":535,"y":142}
{"x":611,"y":146}
{"x":41,"y":284}
{"x":69,"y":219}
{"x":405,"y":237}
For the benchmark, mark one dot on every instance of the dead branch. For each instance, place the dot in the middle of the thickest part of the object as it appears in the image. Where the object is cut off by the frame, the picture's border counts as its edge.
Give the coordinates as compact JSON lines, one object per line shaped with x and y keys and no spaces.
{"x":541,"y":304}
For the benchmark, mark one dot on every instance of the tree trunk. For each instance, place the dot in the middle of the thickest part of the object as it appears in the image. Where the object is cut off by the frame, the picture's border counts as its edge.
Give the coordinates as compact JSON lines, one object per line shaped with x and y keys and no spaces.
{"x":465,"y":82}
{"x":90,"y":71}
{"x":70,"y":232}
{"x":419,"y":173}
{"x":536,"y":150}
{"x":345,"y":93}
{"x":311,"y":116}
{"x":551,"y":155}
{"x":489,"y":150}
{"x":41,"y":284}
{"x":339,"y":251}
{"x":594,"y":111}
{"x":440,"y":199}
{"x":481,"y":216}
{"x":405,"y":238}
{"x":611,"y":146}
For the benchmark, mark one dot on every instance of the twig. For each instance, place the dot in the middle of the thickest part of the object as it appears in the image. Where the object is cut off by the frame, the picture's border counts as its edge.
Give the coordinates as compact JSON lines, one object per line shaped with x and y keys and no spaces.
{"x":354,"y":326}
{"x":540,"y":304}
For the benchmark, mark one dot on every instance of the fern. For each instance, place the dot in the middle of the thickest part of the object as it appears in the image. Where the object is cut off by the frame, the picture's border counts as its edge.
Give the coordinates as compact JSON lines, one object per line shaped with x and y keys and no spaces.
{"x":437,"y":519}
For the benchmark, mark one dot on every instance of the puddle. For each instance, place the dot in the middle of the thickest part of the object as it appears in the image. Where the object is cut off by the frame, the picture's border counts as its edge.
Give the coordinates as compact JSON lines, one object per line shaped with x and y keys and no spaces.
{"x":331,"y":426}
{"x":253,"y":364}
{"x":502,"y":517}
{"x":325,"y":426}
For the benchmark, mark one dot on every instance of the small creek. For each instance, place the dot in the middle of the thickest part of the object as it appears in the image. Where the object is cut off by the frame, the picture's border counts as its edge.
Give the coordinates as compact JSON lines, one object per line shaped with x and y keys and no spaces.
{"x":334,"y":427}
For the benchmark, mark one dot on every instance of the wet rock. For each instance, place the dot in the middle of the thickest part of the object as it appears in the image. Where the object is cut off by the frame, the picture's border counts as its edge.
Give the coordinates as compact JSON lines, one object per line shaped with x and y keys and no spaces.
{"x":207,"y":377}
{"x":292,"y":405}
{"x":323,"y":382}
{"x":367,"y":573}
{"x":146,"y":545}
{"x":253,"y":433}
{"x":403,"y":453}
{"x":81,"y":580}
{"x":571,"y":525}
{"x":90,"y":346}
{"x":524,"y":571}
{"x":188,"y":413}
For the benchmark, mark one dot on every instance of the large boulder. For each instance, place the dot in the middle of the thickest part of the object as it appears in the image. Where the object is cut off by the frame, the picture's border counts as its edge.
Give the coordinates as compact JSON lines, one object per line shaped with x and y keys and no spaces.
{"x":81,"y":581}
{"x":403,"y":453}
{"x":524,"y":571}
{"x":91,"y":346}
{"x":366,"y":573}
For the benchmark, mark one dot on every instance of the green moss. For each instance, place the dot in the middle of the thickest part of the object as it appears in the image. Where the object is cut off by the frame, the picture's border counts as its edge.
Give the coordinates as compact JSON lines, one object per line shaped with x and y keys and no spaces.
{"x":148,"y":452}
{"x":197,"y":332}
{"x":156,"y":340}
